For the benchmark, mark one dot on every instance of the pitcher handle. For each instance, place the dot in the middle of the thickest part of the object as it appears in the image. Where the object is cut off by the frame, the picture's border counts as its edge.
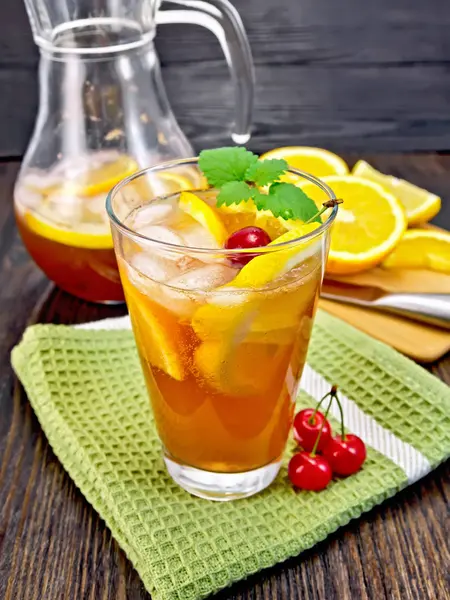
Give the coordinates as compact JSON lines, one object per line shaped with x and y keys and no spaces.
{"x":220,"y":17}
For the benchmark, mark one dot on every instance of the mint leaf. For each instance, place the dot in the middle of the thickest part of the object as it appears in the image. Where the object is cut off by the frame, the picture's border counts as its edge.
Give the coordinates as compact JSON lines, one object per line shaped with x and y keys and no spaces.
{"x":238,"y":174}
{"x":287,"y":201}
{"x":235,"y":192}
{"x":264,"y":172}
{"x":223,"y":165}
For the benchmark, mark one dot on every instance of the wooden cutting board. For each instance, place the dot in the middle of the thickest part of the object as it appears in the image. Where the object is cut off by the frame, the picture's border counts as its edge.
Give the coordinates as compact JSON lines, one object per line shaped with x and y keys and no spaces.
{"x":421,"y":342}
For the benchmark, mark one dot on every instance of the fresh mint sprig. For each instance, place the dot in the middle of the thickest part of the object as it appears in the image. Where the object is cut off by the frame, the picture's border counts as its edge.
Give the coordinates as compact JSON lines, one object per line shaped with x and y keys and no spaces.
{"x":239,"y":175}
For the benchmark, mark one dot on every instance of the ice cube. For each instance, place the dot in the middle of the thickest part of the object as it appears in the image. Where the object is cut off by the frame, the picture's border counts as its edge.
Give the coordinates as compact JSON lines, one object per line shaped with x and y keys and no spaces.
{"x":41,"y":180}
{"x":101,"y":157}
{"x":147,"y":274}
{"x":27,"y":197}
{"x":154,"y":268}
{"x":96,"y":204}
{"x":177,"y":301}
{"x":186,"y":263}
{"x":198,"y":236}
{"x":161,"y":234}
{"x":206,"y":278}
{"x":230,"y":298}
{"x":177,"y":293}
{"x":74,"y":167}
{"x":152,"y":214}
{"x":96,"y":209}
{"x":66,"y":209}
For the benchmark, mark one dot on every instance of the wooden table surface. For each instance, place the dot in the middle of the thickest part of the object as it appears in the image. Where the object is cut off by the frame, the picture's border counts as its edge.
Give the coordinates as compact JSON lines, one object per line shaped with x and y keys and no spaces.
{"x":53,"y":546}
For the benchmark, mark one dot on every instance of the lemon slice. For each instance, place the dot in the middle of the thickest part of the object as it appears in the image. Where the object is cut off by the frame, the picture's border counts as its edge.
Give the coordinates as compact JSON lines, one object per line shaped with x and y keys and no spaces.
{"x":238,"y":216}
{"x":172,"y":183}
{"x":105,"y":177}
{"x":203,"y":214}
{"x":248,"y":206}
{"x":421,"y":249}
{"x":419,"y":204}
{"x":249,"y":369}
{"x":252,"y":319}
{"x":317,"y":161}
{"x":265,"y":268}
{"x":224,"y":323}
{"x":157,"y":336}
{"x":97,"y":237}
{"x":369,"y":223}
{"x":274,"y":226}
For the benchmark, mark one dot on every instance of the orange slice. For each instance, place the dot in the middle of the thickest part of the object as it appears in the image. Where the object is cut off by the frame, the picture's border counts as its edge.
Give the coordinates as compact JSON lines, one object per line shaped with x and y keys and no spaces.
{"x":421,"y":249}
{"x":317,"y":161}
{"x":369,"y":224}
{"x":419,"y":204}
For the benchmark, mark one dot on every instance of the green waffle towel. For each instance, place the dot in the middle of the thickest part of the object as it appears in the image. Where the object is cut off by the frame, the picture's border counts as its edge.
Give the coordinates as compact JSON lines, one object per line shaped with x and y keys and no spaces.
{"x":88,"y":392}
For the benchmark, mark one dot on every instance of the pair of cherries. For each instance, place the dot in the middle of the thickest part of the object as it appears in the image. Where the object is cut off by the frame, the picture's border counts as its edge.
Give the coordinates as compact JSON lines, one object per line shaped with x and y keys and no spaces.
{"x":323,"y":455}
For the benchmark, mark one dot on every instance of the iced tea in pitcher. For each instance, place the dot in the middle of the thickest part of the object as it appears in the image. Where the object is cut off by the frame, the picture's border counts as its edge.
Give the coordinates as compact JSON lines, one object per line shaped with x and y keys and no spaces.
{"x":63,"y":222}
{"x":222,"y":297}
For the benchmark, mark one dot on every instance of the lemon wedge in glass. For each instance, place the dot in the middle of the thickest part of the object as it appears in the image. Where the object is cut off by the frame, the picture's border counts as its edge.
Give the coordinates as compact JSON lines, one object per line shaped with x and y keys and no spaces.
{"x":201,"y":212}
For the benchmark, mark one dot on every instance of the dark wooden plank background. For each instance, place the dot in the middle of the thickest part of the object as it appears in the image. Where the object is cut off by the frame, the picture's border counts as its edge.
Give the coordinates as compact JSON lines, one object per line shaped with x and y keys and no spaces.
{"x":346,"y":74}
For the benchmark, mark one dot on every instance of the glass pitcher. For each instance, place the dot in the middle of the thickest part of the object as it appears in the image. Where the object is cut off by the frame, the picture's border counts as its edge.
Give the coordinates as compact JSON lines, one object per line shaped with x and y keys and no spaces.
{"x":103,"y":114}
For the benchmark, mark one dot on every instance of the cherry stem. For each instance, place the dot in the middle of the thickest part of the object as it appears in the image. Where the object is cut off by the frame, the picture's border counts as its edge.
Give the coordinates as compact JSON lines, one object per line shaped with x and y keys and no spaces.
{"x":341,"y":412}
{"x":312,"y":418}
{"x":332,"y":392}
{"x":316,"y":443}
{"x":325,"y":206}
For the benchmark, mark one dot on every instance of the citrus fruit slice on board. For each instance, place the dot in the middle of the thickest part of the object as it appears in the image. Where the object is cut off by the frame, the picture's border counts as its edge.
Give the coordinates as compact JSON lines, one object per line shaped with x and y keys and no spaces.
{"x":316,"y":161}
{"x":419,"y":204}
{"x":421,"y":248}
{"x":369,"y":223}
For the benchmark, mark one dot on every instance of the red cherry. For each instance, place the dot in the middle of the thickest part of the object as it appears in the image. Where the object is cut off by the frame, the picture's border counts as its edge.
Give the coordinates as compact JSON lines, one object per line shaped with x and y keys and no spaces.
{"x":346,"y":456}
{"x":248,"y":237}
{"x":307,"y":428}
{"x":309,"y":472}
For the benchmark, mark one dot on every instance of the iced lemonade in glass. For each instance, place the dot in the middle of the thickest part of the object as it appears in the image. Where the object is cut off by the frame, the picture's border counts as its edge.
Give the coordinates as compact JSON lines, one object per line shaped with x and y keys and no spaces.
{"x":222,"y":331}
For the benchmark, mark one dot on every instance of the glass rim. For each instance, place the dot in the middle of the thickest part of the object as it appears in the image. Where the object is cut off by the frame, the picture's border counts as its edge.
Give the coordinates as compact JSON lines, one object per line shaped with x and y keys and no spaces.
{"x":274,"y":247}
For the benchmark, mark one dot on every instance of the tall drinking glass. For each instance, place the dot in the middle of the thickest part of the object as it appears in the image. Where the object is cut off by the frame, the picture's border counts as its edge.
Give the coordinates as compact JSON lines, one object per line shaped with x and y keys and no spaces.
{"x":222,"y":345}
